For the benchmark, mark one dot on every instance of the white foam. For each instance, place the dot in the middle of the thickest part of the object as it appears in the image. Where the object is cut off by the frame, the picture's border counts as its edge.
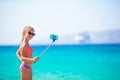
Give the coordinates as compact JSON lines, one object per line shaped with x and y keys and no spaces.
{"x":60,"y":76}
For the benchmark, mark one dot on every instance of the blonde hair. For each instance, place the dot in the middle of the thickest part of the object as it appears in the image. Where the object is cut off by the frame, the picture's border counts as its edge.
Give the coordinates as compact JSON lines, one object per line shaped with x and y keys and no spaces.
{"x":26,"y":29}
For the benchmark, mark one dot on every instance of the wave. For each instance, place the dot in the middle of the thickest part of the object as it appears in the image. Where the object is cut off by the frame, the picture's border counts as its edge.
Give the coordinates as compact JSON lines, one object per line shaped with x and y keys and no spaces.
{"x":60,"y":76}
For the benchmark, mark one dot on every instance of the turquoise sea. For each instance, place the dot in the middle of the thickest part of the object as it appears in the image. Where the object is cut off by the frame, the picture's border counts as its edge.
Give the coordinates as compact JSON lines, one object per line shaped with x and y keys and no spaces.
{"x":66,"y":62}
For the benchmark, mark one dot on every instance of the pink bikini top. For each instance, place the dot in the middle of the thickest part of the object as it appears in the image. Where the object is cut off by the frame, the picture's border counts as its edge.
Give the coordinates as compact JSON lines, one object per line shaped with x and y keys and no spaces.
{"x":29,"y":50}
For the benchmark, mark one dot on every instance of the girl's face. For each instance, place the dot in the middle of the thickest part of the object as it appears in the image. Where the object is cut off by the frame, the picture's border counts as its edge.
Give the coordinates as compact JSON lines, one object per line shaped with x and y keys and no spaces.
{"x":29,"y":34}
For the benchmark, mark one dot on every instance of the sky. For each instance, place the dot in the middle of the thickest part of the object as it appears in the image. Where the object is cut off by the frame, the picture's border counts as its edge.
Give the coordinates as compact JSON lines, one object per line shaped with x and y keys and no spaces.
{"x":61,"y":17}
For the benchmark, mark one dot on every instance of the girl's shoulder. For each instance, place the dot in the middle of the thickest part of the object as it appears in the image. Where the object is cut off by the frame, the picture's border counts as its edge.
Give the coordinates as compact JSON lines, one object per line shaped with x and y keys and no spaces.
{"x":24,"y":45}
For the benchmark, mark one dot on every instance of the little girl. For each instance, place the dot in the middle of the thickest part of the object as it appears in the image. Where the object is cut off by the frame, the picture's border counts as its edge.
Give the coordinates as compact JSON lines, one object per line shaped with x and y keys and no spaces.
{"x":24,"y":53}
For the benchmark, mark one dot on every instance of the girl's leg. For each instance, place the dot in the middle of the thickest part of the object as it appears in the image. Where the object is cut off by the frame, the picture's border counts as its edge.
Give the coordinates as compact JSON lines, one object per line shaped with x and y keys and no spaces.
{"x":30,"y":74}
{"x":26,"y":74}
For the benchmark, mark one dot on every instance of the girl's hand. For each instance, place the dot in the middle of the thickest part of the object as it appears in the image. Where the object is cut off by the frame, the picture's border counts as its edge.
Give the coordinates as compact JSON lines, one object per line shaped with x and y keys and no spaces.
{"x":35,"y":59}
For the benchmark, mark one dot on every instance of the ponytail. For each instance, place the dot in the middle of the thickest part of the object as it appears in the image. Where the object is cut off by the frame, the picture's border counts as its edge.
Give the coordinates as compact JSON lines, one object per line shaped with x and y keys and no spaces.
{"x":22,"y":38}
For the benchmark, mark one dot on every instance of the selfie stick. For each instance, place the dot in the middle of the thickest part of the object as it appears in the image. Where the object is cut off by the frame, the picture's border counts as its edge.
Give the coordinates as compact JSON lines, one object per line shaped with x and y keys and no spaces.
{"x":53,"y":37}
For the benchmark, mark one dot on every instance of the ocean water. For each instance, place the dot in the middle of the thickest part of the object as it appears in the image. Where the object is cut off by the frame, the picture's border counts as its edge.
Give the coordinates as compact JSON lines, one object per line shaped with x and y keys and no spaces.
{"x":65,"y":62}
